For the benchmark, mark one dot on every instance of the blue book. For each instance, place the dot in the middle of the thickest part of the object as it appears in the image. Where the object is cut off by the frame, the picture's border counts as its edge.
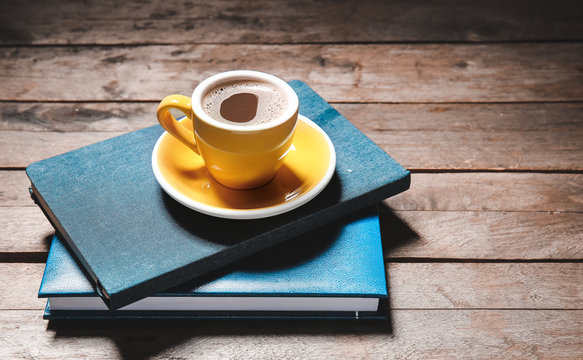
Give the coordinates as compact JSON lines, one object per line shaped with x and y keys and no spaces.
{"x":336,"y":271}
{"x":134,"y":241}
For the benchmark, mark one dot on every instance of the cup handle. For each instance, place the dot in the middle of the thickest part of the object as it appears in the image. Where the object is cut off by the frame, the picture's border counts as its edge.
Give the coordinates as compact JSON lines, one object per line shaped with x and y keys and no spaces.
{"x":171,"y":125}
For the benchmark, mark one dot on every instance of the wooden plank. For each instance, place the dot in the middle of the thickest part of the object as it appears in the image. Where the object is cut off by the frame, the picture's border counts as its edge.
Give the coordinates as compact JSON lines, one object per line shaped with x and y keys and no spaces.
{"x":371,"y":118}
{"x":486,"y":285}
{"x":492,"y":192}
{"x":441,"y":216}
{"x":69,"y":22}
{"x":426,"y":150}
{"x":476,"y":334}
{"x":354,"y":73}
{"x":18,"y":151}
{"x":534,"y":150}
{"x":481,"y":235}
{"x":77,"y":117}
{"x":411,"y":286}
{"x":487,"y":118}
{"x":14,"y":190}
{"x":476,"y":136}
{"x":25,"y":232}
{"x":19,"y":284}
{"x":458,"y":136}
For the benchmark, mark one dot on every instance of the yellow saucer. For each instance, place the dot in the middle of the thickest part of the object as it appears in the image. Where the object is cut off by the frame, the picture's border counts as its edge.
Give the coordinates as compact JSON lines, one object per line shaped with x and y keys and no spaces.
{"x":307,"y":169}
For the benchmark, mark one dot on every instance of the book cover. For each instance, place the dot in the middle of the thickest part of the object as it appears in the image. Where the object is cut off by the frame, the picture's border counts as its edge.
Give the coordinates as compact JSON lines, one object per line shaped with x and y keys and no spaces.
{"x":335,"y":271}
{"x":134,"y":240}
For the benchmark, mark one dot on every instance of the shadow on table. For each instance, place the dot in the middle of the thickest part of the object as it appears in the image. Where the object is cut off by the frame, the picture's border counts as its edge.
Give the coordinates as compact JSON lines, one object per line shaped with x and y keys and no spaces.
{"x":146,"y":338}
{"x":394,"y":231}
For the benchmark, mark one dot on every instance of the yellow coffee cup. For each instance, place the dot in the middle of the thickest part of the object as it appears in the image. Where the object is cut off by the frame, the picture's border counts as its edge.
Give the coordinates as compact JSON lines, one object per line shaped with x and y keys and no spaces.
{"x":238,"y":153}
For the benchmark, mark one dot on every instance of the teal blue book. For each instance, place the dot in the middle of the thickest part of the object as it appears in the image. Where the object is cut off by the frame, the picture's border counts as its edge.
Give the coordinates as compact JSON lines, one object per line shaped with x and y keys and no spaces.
{"x":133,"y":240}
{"x":336,"y":271}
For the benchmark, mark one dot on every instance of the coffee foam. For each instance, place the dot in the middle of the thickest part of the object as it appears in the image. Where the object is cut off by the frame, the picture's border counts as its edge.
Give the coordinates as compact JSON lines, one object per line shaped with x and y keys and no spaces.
{"x":272,"y":101}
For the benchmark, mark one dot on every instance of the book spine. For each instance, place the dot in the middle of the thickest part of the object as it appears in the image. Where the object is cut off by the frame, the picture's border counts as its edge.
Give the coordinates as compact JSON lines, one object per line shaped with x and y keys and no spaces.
{"x":39,"y":201}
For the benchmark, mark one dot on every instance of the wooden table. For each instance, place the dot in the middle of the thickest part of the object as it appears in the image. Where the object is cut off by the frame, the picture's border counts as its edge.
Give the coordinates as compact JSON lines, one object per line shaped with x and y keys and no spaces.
{"x":483,"y":103}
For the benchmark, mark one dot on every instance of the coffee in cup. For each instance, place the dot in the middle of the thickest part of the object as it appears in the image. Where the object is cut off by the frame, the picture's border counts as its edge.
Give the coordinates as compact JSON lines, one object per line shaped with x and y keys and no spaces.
{"x":243,"y":125}
{"x":245,"y":102}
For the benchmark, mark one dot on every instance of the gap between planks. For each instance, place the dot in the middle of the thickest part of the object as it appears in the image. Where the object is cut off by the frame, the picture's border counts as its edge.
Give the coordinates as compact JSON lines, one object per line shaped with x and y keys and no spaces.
{"x":427,"y":171}
{"x":298,"y":43}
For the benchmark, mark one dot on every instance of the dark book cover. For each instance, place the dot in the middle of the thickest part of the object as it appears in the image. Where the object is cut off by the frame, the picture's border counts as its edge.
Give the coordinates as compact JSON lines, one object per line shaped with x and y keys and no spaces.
{"x":337,"y":269}
{"x":134,"y":240}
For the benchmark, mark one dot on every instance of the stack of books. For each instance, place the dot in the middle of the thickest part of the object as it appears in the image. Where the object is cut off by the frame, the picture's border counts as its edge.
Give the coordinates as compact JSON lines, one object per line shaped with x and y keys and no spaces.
{"x":123,"y":248}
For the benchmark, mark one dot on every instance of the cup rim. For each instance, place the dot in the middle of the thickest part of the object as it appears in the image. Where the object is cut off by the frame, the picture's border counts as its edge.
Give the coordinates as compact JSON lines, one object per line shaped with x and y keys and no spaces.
{"x":206,"y":85}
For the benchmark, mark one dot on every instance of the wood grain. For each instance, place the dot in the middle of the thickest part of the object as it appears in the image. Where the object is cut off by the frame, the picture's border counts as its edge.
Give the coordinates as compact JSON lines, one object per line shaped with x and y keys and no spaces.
{"x":14,"y":190}
{"x":347,"y":73}
{"x":19,"y":153}
{"x":487,"y":286}
{"x":481,"y":235}
{"x":77,"y":117}
{"x":411,"y":286}
{"x":484,"y":151}
{"x":476,"y":334}
{"x":155,"y":22}
{"x":370,"y":118}
{"x":426,"y":136}
{"x":24,"y":230}
{"x":492,"y":192}
{"x":473,"y":118}
{"x":25,"y":295}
